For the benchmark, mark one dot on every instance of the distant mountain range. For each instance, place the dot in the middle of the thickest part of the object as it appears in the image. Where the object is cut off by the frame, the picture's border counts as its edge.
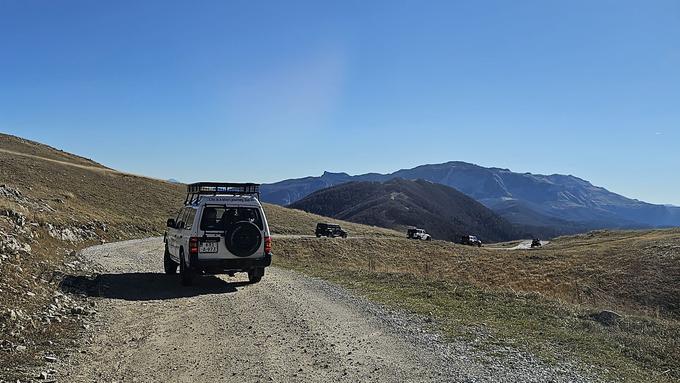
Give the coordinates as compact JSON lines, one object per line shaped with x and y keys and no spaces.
{"x":558,"y":204}
{"x":442,"y":211}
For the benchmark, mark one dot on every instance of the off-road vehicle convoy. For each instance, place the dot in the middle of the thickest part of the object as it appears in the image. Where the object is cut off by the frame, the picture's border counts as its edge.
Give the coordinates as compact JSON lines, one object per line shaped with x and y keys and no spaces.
{"x":470,"y":240}
{"x":416,"y":233}
{"x":221,"y":229}
{"x":330,"y":230}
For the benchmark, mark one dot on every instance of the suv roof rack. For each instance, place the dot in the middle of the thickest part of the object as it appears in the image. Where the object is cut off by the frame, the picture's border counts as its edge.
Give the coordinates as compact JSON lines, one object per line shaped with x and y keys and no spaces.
{"x":196,"y":190}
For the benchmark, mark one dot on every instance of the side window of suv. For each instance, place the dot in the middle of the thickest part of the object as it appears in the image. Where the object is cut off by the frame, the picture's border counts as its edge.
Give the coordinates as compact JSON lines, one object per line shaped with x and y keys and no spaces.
{"x":178,"y":218}
{"x":181,"y":218}
{"x":189,"y":218}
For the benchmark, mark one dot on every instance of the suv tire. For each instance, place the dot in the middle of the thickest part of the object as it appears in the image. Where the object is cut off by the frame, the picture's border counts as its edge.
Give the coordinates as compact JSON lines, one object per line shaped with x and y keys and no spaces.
{"x":185,"y":274}
{"x":169,"y":265}
{"x":255,"y":275}
{"x":243,"y":238}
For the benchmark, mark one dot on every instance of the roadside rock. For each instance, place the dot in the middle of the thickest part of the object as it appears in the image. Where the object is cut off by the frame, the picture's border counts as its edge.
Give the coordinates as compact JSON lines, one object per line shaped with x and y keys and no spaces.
{"x":14,"y":195}
{"x":73,"y":234}
{"x":10,"y":245}
{"x":606,"y":317}
{"x":18,"y":218}
{"x":10,"y":193}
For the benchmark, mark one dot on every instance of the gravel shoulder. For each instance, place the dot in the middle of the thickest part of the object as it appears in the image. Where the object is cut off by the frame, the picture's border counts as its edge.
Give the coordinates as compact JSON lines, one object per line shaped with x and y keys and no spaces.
{"x":289,"y":327}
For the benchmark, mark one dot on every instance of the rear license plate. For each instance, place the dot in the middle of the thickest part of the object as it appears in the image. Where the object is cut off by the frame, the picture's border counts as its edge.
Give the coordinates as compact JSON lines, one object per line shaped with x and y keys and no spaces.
{"x":208,"y":247}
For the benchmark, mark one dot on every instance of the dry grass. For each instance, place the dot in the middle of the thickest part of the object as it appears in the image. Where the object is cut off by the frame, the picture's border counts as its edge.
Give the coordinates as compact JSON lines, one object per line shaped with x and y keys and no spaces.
{"x":78,"y":194}
{"x":637,"y":272}
{"x":539,"y":299}
{"x":31,"y":148}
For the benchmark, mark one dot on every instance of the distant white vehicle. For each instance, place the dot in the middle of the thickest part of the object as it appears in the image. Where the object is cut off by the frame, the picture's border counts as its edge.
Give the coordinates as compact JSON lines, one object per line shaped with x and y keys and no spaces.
{"x":222,"y":229}
{"x":471,"y":240}
{"x":418,"y":234}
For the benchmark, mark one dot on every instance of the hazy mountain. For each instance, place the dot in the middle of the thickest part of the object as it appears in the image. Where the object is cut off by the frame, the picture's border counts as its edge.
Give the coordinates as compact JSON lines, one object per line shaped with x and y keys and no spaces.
{"x":561,"y":202}
{"x":397,"y":204}
{"x":289,"y":191}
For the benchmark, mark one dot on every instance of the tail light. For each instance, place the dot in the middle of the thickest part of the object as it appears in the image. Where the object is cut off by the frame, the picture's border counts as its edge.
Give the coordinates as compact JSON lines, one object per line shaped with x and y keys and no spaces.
{"x":267,"y":245}
{"x":193,"y":245}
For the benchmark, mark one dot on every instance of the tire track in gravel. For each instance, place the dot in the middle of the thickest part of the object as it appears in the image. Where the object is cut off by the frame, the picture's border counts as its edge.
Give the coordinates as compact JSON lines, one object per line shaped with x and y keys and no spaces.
{"x":288,"y":327}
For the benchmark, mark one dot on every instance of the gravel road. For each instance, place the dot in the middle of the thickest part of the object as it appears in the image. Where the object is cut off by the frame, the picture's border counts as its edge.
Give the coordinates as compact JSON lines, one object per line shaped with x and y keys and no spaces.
{"x":526,"y":245}
{"x":288,"y":327}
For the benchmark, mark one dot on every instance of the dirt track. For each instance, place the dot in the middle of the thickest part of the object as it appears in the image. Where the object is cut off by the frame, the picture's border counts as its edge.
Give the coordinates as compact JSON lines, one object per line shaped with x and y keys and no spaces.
{"x":526,"y":245}
{"x":287,"y":328}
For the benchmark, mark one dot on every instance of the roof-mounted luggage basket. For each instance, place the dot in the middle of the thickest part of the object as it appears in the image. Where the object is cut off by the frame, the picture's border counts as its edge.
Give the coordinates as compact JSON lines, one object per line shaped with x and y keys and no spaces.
{"x":196,"y":190}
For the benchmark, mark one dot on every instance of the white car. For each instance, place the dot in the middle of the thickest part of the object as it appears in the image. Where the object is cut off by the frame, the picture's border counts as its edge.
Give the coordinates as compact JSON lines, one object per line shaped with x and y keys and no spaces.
{"x":416,"y":233}
{"x":222,"y":229}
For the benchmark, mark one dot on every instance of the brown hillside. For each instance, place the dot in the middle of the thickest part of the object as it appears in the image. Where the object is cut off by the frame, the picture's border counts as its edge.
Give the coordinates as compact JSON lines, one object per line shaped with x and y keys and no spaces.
{"x":20,"y":145}
{"x":52,"y":203}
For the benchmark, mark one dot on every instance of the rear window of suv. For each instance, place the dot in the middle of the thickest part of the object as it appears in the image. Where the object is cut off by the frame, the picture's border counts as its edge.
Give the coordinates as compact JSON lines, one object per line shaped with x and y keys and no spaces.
{"x":219,"y":218}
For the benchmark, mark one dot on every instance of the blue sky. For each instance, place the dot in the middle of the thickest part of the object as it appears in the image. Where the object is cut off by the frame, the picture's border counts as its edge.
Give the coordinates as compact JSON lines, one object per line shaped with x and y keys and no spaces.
{"x":268,"y":90}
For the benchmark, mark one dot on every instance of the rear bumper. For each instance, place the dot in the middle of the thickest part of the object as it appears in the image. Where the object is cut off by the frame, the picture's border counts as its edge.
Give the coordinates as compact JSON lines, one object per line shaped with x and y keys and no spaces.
{"x":216,"y":266}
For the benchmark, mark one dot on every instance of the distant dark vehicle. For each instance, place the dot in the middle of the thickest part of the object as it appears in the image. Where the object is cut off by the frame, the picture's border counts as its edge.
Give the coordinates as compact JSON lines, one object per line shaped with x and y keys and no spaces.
{"x":329,"y":230}
{"x":471,"y":240}
{"x":536,"y":243}
{"x":418,"y":234}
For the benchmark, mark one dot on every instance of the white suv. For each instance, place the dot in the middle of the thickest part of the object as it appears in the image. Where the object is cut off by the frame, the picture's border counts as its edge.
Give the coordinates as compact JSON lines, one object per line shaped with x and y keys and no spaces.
{"x":416,"y":233}
{"x":221,"y":229}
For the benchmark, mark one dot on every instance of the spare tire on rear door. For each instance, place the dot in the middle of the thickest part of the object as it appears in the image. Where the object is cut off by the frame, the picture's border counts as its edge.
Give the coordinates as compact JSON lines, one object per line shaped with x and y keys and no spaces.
{"x":243,"y":238}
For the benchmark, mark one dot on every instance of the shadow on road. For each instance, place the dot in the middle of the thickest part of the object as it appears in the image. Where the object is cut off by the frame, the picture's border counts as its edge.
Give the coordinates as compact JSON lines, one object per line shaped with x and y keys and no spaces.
{"x":145,"y":286}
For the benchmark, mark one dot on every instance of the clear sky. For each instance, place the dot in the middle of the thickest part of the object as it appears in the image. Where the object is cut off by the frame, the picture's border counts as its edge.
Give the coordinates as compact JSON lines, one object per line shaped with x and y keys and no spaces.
{"x":268,"y":90}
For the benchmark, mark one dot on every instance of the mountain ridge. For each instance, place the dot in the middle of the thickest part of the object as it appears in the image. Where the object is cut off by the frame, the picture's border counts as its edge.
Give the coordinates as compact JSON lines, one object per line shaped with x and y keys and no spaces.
{"x":398,"y":203}
{"x":557,"y":197}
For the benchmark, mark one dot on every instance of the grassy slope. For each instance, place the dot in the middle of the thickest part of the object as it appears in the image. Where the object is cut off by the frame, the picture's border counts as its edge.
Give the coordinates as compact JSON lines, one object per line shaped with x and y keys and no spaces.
{"x":59,"y":191}
{"x":131,"y":203}
{"x":80,"y":195}
{"x":538,"y":299}
{"x":32,"y":148}
{"x":630,"y":271}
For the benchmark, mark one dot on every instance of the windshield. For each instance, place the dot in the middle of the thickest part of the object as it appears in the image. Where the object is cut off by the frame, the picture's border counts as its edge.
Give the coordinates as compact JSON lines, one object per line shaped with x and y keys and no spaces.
{"x":219,"y":218}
